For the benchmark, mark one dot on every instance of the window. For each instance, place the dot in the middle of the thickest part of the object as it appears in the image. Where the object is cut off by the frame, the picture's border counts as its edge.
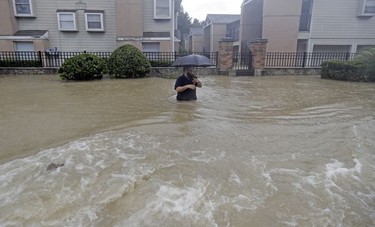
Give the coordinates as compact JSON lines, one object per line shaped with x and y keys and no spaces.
{"x":67,"y":21}
{"x":366,"y":8}
{"x":369,"y":7}
{"x":25,"y":50}
{"x":22,"y":7}
{"x":162,"y":9}
{"x":151,"y":47}
{"x":151,"y":51}
{"x":94,"y":21}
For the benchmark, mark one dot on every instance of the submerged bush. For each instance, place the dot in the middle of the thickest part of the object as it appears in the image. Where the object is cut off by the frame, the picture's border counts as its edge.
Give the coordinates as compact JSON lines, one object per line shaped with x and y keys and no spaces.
{"x":368,"y":59}
{"x":343,"y":70}
{"x":128,"y":61}
{"x":82,"y":67}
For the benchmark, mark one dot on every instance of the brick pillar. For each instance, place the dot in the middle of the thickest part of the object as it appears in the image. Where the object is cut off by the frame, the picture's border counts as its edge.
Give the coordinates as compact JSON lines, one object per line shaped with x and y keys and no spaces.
{"x":225,"y":55}
{"x":258,"y":53}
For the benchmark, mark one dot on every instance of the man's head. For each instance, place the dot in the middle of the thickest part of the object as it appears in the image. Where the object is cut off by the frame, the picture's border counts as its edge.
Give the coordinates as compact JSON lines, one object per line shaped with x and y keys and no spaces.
{"x":188,"y":69}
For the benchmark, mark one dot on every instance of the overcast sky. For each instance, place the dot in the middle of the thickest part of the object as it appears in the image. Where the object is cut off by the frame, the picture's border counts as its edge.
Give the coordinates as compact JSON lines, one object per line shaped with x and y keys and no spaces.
{"x":200,"y":8}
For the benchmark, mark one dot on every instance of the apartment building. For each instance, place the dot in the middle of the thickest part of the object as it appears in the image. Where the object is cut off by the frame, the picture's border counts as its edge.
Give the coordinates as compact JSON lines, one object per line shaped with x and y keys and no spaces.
{"x":309,"y":25}
{"x":195,"y":40}
{"x":82,"y":25}
{"x":215,"y":28}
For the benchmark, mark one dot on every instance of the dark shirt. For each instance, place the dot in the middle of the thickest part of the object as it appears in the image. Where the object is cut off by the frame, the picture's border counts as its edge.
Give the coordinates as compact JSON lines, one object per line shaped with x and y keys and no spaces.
{"x":188,"y":94}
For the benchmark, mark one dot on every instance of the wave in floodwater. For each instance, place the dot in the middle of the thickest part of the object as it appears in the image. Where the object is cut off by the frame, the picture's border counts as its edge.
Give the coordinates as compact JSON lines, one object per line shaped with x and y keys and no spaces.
{"x":140,"y":178}
{"x":269,"y":151}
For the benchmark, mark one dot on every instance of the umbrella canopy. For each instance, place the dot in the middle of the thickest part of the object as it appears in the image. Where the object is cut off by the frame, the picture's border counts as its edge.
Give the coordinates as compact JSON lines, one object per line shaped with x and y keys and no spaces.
{"x":194,"y":60}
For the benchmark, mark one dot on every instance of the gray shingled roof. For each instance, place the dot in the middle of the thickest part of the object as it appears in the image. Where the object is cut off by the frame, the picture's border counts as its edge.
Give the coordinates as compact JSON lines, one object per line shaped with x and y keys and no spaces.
{"x":223,"y":18}
{"x":32,"y":33}
{"x":196,"y":31}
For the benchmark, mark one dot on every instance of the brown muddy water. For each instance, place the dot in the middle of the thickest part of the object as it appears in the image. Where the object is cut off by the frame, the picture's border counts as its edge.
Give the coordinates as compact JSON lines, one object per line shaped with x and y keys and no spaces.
{"x":252,"y":151}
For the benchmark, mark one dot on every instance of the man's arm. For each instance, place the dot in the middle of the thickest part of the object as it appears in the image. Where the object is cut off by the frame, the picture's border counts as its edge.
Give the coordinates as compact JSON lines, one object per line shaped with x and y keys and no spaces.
{"x":183,"y":88}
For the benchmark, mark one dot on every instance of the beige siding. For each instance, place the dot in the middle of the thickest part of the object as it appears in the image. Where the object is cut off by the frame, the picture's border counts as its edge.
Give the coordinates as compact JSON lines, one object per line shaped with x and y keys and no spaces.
{"x":219,"y":32}
{"x":129,"y":17}
{"x":281,"y":24}
{"x":46,"y":19}
{"x":8,"y":21}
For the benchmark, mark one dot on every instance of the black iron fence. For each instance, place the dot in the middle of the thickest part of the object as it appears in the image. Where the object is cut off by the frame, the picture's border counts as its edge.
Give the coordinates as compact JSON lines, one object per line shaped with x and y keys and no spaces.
{"x":56,"y":59}
{"x":303,"y":59}
{"x":241,"y":61}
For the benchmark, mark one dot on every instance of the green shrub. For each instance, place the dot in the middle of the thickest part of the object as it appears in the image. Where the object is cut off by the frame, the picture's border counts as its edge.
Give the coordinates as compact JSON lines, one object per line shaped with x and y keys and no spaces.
{"x":82,"y":67}
{"x":343,"y":70}
{"x":368,"y":58}
{"x":128,"y":62}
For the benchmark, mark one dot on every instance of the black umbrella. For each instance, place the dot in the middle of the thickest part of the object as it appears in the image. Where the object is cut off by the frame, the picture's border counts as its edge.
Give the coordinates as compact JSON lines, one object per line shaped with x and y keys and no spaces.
{"x":194,"y":60}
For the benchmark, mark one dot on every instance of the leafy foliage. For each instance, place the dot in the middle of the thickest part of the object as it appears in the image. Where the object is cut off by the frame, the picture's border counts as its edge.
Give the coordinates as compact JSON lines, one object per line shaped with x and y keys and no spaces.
{"x":128,"y":62}
{"x":82,"y":67}
{"x":368,"y":59}
{"x":343,"y":70}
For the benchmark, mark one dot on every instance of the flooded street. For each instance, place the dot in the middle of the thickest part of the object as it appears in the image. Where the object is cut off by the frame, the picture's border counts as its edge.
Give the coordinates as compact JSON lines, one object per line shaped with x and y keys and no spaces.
{"x":252,"y":151}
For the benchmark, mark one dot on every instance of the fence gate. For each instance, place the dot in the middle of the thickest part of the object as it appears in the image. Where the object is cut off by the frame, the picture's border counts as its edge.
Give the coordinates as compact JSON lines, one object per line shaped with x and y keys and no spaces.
{"x":242,"y":61}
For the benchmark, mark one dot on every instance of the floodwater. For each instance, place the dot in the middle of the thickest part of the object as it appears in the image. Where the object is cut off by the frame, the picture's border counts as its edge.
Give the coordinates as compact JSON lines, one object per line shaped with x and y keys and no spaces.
{"x":252,"y":151}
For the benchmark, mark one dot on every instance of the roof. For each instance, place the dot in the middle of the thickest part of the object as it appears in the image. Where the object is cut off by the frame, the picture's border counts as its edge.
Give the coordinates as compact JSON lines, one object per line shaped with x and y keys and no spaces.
{"x":223,"y":18}
{"x":32,"y":33}
{"x":196,"y":31}
{"x":156,"y":34}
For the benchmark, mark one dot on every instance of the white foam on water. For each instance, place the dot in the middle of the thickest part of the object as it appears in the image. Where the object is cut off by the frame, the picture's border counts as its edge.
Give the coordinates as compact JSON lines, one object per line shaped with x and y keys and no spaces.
{"x":175,"y":205}
{"x":93,"y":174}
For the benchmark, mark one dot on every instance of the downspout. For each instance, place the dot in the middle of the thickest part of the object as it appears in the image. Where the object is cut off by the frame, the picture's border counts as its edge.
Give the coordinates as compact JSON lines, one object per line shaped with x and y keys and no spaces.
{"x":173,"y":24}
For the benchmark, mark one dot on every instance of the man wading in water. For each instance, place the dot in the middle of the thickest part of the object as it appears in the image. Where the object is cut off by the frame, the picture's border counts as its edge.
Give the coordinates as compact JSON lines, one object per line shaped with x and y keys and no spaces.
{"x":186,"y":85}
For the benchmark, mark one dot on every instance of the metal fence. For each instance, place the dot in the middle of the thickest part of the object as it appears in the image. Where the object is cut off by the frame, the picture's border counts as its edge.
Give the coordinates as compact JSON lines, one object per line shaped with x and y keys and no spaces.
{"x":241,"y":61}
{"x":56,"y":59}
{"x":303,"y":59}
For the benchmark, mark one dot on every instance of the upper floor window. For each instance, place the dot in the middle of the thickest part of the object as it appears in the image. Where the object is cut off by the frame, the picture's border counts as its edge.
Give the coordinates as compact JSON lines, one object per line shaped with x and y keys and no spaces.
{"x":366,"y":8}
{"x":67,"y":21}
{"x":94,"y":21}
{"x":162,"y":9}
{"x":23,"y":7}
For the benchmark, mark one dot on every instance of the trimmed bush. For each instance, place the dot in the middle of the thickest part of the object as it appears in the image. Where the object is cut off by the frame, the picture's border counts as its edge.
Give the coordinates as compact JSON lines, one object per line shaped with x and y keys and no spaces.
{"x":128,"y":62}
{"x":82,"y":67}
{"x":343,"y":70}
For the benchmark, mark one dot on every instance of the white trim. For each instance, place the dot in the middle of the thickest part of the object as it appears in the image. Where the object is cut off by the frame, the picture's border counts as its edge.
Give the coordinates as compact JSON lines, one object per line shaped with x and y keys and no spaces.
{"x":20,"y":14}
{"x":45,"y":36}
{"x":101,"y":22}
{"x":163,"y":17}
{"x":74,"y":21}
{"x":143,"y":39}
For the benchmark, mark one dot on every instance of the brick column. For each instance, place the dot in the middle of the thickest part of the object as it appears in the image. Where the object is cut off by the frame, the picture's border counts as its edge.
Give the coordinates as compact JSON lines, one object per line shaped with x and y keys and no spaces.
{"x":225,"y":55}
{"x":258,"y":53}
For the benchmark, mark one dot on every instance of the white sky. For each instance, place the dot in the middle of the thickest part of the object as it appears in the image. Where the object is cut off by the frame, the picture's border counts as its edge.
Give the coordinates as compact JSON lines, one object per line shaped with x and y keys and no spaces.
{"x":200,"y":8}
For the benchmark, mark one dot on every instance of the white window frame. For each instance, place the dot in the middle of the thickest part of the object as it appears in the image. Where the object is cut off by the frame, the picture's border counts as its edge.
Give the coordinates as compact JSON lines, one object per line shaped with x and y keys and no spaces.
{"x":17,"y":14}
{"x":73,"y":14}
{"x":101,"y":22}
{"x":169,"y":16}
{"x":362,"y":8}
